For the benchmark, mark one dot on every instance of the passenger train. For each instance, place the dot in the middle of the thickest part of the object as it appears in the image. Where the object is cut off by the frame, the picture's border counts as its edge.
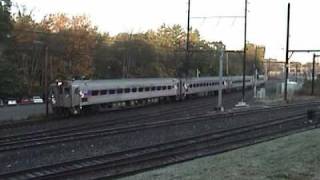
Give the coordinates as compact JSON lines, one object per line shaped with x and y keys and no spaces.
{"x":79,"y":95}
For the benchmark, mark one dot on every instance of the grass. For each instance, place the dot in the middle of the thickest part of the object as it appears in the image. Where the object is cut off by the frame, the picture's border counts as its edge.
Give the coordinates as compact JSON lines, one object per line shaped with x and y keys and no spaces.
{"x":295,"y":157}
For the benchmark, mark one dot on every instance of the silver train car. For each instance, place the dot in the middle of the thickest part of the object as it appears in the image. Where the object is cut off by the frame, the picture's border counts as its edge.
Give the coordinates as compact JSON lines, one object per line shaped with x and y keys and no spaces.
{"x":76,"y":96}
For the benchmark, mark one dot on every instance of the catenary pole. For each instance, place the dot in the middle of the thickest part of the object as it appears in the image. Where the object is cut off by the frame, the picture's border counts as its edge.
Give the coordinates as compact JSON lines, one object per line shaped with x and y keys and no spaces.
{"x":222,"y":48}
{"x":313,"y":66}
{"x":244,"y":52}
{"x":46,"y":80}
{"x":287,"y":56}
{"x":187,"y":45}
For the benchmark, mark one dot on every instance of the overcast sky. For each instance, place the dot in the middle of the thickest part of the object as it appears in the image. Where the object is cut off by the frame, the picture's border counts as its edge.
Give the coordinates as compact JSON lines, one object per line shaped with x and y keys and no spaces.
{"x":266,"y":19}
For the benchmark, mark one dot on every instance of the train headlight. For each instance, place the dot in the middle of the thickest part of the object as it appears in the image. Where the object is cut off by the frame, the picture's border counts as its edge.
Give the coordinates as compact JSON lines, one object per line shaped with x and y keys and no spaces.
{"x":53,"y":100}
{"x":81,"y":94}
{"x":59,"y":83}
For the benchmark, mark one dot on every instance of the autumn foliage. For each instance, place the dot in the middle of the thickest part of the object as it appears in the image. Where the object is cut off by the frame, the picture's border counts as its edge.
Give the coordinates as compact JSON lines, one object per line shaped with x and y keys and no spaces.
{"x":76,"y":49}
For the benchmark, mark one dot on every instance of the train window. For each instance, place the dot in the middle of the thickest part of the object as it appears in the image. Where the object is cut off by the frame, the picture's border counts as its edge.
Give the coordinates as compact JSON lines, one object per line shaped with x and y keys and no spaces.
{"x":84,"y":99}
{"x":158,"y":88}
{"x":95,"y":93}
{"x":207,"y":84}
{"x":147,"y":89}
{"x":134,"y":89}
{"x":67,"y":90}
{"x":112,"y":91}
{"x":153,"y":88}
{"x":164,"y":87}
{"x":140,"y":89}
{"x":119,"y":91}
{"x":103,"y":92}
{"x":127,"y":90}
{"x":169,"y":87}
{"x":77,"y":91}
{"x":60,"y":89}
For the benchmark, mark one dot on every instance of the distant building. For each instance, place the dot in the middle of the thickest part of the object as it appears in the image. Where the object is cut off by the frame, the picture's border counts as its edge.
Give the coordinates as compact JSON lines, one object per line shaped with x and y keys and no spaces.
{"x":274,"y":68}
{"x":295,"y":68}
{"x":307,"y":70}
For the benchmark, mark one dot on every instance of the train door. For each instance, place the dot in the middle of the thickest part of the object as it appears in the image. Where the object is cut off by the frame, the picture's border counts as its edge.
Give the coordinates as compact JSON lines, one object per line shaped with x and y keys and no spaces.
{"x":67,"y":96}
{"x":182,"y":89}
{"x":76,"y":98}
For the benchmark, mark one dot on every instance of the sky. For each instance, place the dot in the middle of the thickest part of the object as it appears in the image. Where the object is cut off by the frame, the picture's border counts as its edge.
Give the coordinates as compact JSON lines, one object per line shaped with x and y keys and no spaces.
{"x":266,"y":22}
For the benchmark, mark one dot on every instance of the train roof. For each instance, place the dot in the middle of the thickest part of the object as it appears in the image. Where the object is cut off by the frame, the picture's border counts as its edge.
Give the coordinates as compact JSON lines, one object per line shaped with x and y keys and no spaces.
{"x":216,"y":78}
{"x":124,"y":82}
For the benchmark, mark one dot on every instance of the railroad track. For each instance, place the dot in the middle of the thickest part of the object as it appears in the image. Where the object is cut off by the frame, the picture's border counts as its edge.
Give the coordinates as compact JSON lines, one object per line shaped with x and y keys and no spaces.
{"x":204,"y":103}
{"x":135,"y":160}
{"x":68,"y":135}
{"x":189,"y":107}
{"x":118,"y":120}
{"x":117,"y":114}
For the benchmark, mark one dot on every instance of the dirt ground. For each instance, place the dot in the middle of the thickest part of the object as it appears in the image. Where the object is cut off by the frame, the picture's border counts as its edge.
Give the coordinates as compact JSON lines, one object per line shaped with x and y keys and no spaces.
{"x":295,"y":157}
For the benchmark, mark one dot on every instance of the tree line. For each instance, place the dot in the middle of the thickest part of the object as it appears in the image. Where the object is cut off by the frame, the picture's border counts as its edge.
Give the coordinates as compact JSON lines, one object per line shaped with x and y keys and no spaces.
{"x":77,"y":49}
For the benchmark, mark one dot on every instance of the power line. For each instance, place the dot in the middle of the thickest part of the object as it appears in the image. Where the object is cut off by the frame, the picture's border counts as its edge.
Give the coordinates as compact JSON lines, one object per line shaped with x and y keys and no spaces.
{"x":217,"y":17}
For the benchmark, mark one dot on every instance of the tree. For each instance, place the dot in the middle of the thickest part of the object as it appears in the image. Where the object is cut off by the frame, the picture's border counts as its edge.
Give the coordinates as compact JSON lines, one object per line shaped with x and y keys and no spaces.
{"x":78,"y":37}
{"x":255,"y":57}
{"x":76,"y":49}
{"x":10,"y":82}
{"x":5,"y":20}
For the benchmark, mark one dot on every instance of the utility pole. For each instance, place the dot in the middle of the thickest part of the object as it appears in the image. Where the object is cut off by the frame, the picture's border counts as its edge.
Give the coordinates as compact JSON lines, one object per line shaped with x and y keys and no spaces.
{"x":287,"y":56}
{"x":46,"y":80}
{"x":313,"y":72}
{"x":242,"y":103}
{"x":227,"y":64}
{"x":296,"y":72}
{"x":222,"y":49}
{"x":255,"y":58}
{"x":187,"y":46}
{"x":45,"y":45}
{"x":244,"y":51}
{"x":269,"y":67}
{"x":255,"y":73}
